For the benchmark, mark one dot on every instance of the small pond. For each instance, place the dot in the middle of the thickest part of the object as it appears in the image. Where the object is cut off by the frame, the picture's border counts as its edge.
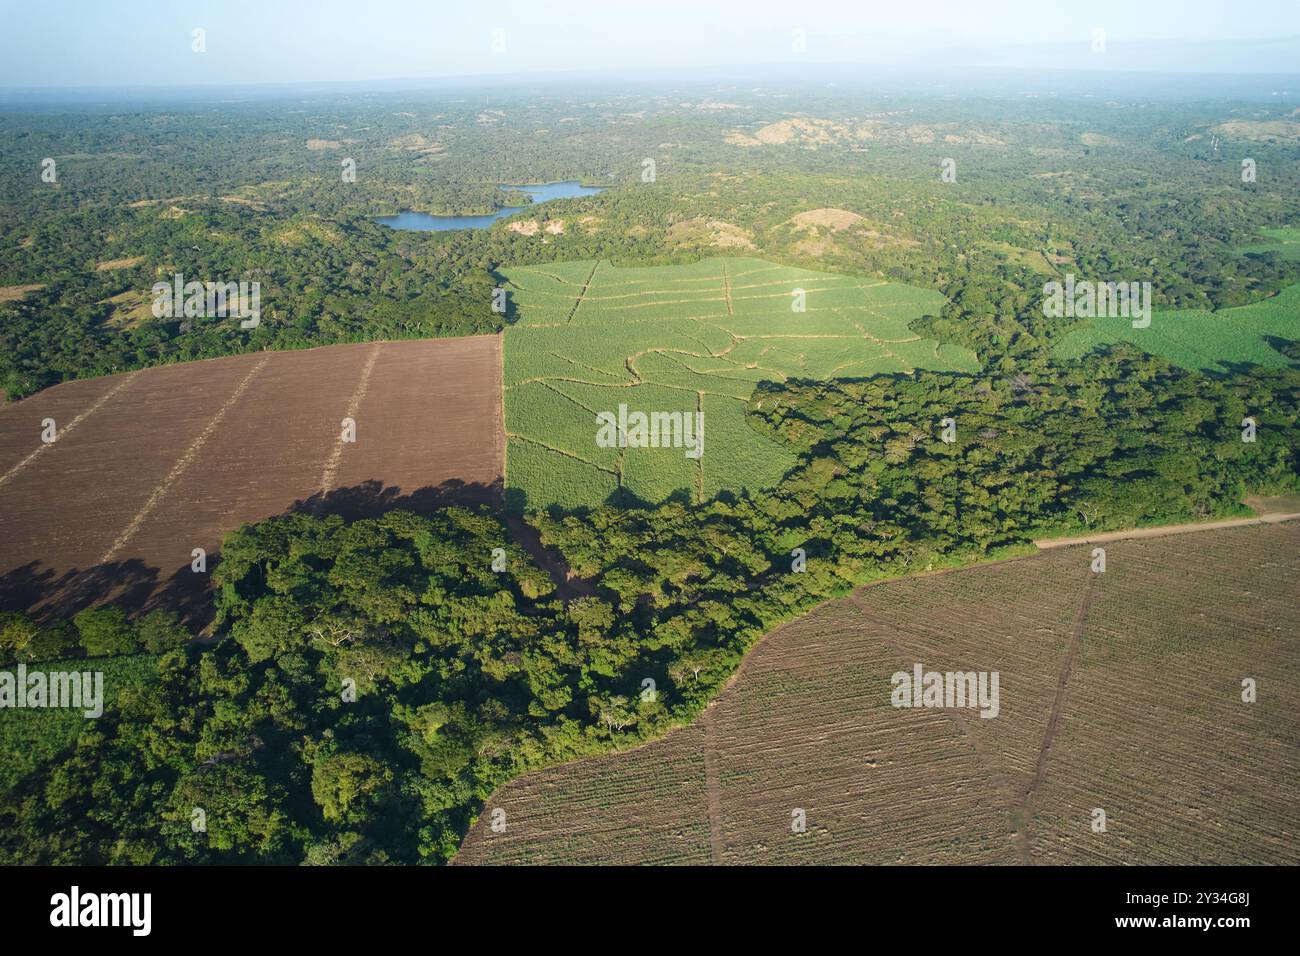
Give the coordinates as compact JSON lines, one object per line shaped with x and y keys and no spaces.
{"x":425,"y":222}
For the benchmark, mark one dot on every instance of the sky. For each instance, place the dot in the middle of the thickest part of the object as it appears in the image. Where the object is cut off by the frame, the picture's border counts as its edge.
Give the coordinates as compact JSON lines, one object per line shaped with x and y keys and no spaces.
{"x":94,"y":43}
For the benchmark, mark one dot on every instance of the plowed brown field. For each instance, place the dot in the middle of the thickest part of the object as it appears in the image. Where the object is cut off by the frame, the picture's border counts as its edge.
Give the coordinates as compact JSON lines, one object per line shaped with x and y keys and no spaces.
{"x":1119,"y":691}
{"x":149,"y":465}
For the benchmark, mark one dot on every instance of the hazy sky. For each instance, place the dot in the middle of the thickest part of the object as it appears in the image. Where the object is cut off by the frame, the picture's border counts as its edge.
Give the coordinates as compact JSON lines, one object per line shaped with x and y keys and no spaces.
{"x":149,"y":42}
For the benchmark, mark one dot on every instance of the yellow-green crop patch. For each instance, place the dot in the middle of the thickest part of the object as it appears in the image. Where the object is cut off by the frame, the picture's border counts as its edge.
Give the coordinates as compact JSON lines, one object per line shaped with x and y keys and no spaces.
{"x":29,"y":737}
{"x":1209,"y":341}
{"x":683,"y":341}
{"x":1285,"y":242}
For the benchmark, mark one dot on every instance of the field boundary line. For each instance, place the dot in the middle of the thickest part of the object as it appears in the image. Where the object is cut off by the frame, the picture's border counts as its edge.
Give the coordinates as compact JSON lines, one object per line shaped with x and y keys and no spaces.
{"x":126,"y":380}
{"x":354,"y":406}
{"x":806,"y":281}
{"x":583,"y":293}
{"x":183,"y":462}
{"x":539,"y":272}
{"x":1021,"y":812}
{"x":589,"y":368}
{"x":712,"y":788}
{"x":722,"y":373}
{"x":560,"y":451}
{"x":660,"y":303}
{"x":908,"y":368}
{"x":567,"y":397}
{"x":1160,"y":531}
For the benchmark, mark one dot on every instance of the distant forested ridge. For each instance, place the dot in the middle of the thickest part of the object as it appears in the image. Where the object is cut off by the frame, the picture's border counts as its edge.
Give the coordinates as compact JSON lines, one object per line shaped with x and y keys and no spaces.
{"x":847,"y":183}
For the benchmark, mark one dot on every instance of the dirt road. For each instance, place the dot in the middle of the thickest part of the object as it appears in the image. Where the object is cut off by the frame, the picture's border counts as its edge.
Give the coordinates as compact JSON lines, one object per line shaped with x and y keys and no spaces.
{"x":1163,"y":530}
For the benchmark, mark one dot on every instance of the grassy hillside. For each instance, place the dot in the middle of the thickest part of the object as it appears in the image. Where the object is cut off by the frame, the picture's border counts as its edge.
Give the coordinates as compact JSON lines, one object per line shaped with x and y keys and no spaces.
{"x":1285,"y":242}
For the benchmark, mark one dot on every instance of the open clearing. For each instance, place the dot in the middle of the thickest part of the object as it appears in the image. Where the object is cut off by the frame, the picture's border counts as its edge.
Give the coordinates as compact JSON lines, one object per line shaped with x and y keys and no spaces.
{"x":112,"y":264}
{"x":1208,"y":341}
{"x":590,"y":336}
{"x":16,"y":293}
{"x":1119,"y":691}
{"x":149,"y":465}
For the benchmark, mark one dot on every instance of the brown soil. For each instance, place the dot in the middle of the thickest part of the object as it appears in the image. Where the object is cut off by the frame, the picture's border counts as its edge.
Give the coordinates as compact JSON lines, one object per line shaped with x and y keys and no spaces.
{"x":1162,"y":531}
{"x":150,"y":465}
{"x":1119,"y":691}
{"x":833,"y":219}
{"x":16,"y":293}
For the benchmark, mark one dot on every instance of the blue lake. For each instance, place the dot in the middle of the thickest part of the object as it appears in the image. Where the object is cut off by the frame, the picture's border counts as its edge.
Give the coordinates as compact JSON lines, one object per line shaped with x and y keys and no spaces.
{"x":425,"y":222}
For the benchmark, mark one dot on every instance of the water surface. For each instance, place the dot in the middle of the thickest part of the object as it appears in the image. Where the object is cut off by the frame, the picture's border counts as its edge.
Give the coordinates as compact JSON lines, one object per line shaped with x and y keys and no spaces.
{"x":541,"y":192}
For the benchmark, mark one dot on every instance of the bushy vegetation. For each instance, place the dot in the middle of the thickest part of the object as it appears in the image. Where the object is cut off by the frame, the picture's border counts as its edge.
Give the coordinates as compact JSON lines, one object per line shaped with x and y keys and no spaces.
{"x":32,"y":740}
{"x":1050,"y":187}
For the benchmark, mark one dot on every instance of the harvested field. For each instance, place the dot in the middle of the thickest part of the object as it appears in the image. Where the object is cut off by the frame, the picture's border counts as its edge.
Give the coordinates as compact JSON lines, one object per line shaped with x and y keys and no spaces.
{"x":1119,"y":691}
{"x":150,"y":465}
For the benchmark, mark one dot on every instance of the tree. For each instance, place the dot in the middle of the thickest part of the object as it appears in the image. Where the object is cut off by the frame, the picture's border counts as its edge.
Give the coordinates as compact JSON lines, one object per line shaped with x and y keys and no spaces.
{"x":16,"y":633}
{"x":614,"y":712}
{"x":106,"y":631}
{"x":344,"y":783}
{"x":160,"y":631}
{"x":54,"y":642}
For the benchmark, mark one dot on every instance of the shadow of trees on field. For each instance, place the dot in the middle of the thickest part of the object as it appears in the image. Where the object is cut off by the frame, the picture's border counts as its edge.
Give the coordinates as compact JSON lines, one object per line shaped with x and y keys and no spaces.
{"x":46,"y":593}
{"x":372,"y":498}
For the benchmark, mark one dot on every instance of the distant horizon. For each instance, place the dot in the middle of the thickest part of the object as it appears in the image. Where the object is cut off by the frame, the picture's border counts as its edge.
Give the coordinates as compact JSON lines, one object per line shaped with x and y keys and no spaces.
{"x":821,"y":73}
{"x":116,"y":44}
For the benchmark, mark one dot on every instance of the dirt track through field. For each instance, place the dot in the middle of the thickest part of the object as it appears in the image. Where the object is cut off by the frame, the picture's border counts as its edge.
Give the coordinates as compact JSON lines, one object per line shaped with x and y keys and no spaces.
{"x":712,"y":790}
{"x":1022,"y":812}
{"x":179,"y":468}
{"x":125,"y":380}
{"x":332,"y":466}
{"x":154,"y":464}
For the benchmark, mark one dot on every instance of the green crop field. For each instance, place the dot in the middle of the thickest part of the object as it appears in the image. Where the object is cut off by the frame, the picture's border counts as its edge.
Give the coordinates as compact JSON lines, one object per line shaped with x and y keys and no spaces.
{"x":1285,"y":242}
{"x":590,"y":337}
{"x":1209,"y":341}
